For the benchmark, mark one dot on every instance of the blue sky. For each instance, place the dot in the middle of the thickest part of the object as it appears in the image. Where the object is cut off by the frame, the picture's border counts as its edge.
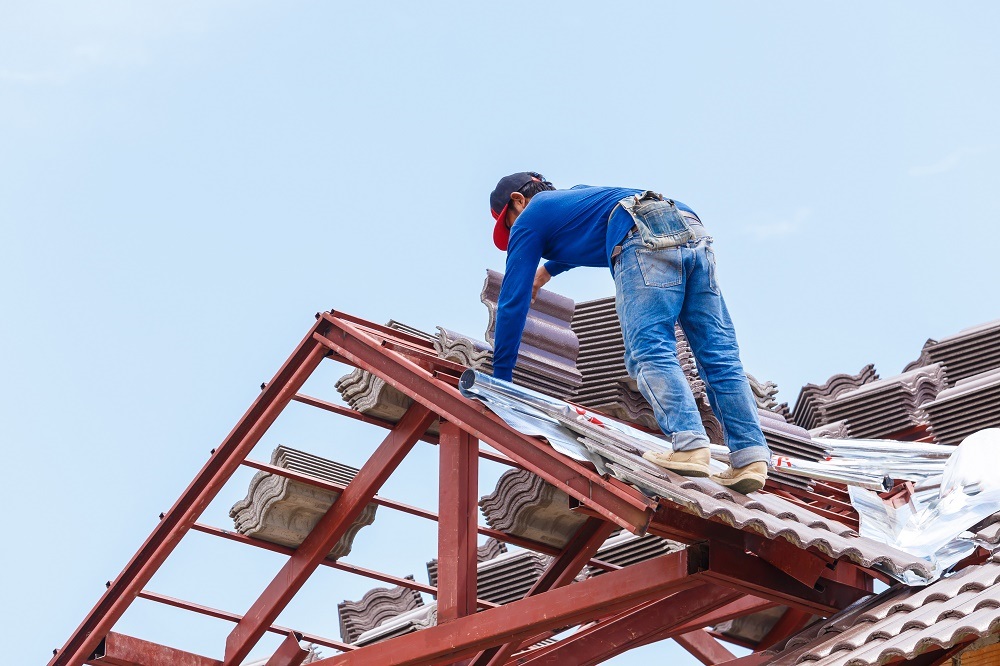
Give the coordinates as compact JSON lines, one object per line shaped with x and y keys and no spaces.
{"x":182,"y":185}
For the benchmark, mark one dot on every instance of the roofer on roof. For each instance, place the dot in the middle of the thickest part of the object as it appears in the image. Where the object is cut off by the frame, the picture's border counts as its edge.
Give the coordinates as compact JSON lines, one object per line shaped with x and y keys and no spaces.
{"x":661,"y":258}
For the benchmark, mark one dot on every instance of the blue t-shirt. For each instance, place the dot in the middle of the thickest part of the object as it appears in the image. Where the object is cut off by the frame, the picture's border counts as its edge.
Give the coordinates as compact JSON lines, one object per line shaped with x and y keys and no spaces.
{"x":569,"y":228}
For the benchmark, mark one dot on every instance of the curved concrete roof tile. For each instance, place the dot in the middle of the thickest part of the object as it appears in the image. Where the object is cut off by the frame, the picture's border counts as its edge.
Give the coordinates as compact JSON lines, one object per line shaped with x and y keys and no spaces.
{"x":903,"y":622}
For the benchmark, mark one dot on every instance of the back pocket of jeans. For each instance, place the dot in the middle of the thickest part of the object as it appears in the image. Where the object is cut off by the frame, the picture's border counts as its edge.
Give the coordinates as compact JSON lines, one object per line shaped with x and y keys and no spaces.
{"x":660,"y":268}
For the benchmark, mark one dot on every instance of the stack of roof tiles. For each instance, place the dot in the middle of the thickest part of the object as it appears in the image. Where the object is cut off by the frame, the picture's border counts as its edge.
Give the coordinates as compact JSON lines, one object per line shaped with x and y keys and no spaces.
{"x":969,"y":352}
{"x":280,"y":510}
{"x":492,"y":548}
{"x":524,"y":505}
{"x":375,"y":607}
{"x":971,"y":405}
{"x":765,"y":394}
{"x":809,"y":411}
{"x":626,"y":548}
{"x":509,"y":576}
{"x":384,"y":613}
{"x":886,"y":406}
{"x":547,"y":356}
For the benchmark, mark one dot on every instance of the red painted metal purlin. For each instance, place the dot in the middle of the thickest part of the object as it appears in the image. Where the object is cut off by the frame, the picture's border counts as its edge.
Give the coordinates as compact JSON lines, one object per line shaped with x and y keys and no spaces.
{"x":704,"y":648}
{"x":236,"y":617}
{"x":340,"y":565}
{"x":324,"y":536}
{"x":388,"y":425}
{"x":289,"y":653}
{"x":585,"y":542}
{"x":518,"y":620}
{"x":529,"y":544}
{"x":630,"y":628}
{"x":201,"y":491}
{"x":121,"y":650}
{"x":458,"y":510}
{"x":341,"y":410}
{"x":612,"y":499}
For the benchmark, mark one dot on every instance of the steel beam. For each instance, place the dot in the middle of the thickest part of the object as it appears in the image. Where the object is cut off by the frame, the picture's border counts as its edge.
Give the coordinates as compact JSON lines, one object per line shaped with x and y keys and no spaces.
{"x":289,"y":653}
{"x":628,"y":629}
{"x":522,"y":619}
{"x":612,"y":499}
{"x":585,"y":542}
{"x":121,"y":650}
{"x":744,"y":572}
{"x":458,"y":494}
{"x":196,"y":497}
{"x":330,"y":528}
{"x":805,"y":566}
{"x":704,"y":648}
{"x":745,"y":605}
{"x":340,"y":565}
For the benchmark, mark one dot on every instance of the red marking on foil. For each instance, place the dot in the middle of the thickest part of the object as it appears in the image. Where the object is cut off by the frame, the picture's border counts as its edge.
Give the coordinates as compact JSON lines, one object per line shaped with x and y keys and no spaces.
{"x":592,"y":419}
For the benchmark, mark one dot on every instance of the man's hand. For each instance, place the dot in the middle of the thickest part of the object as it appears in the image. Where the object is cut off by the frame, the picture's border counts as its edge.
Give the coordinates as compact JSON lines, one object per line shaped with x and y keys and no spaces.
{"x":541,"y":277}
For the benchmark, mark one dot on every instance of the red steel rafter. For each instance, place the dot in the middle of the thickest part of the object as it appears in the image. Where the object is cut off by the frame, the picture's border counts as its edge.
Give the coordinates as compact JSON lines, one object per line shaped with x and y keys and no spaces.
{"x":324,"y":536}
{"x":195,"y":498}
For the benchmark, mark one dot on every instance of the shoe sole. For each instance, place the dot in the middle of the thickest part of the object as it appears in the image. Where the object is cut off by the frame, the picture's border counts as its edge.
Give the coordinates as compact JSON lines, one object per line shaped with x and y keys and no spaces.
{"x":688,"y":469}
{"x":682,"y":468}
{"x":744,"y":485}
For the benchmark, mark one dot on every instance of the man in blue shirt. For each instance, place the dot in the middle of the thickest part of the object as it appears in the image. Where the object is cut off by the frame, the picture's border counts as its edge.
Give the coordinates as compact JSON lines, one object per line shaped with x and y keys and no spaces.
{"x":664,"y":270}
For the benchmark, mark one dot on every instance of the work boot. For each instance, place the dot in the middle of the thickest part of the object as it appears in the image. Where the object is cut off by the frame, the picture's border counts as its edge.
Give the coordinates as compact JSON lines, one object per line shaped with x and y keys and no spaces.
{"x":748,"y":479}
{"x":685,"y":463}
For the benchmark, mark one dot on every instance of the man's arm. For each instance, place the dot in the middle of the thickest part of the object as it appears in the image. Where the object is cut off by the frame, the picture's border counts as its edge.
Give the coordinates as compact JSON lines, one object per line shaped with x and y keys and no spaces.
{"x":523,"y":254}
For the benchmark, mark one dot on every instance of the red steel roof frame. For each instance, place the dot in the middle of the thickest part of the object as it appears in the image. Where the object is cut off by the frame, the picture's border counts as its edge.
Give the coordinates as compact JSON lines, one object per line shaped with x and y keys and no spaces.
{"x":726,"y":573}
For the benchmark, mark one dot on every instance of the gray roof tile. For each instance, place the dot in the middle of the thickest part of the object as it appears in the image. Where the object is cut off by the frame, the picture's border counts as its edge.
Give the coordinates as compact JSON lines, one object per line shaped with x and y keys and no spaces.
{"x":280,"y":510}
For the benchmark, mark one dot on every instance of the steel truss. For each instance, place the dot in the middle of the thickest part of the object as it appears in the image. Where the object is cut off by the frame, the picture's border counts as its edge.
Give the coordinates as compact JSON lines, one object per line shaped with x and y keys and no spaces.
{"x":725,"y":573}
